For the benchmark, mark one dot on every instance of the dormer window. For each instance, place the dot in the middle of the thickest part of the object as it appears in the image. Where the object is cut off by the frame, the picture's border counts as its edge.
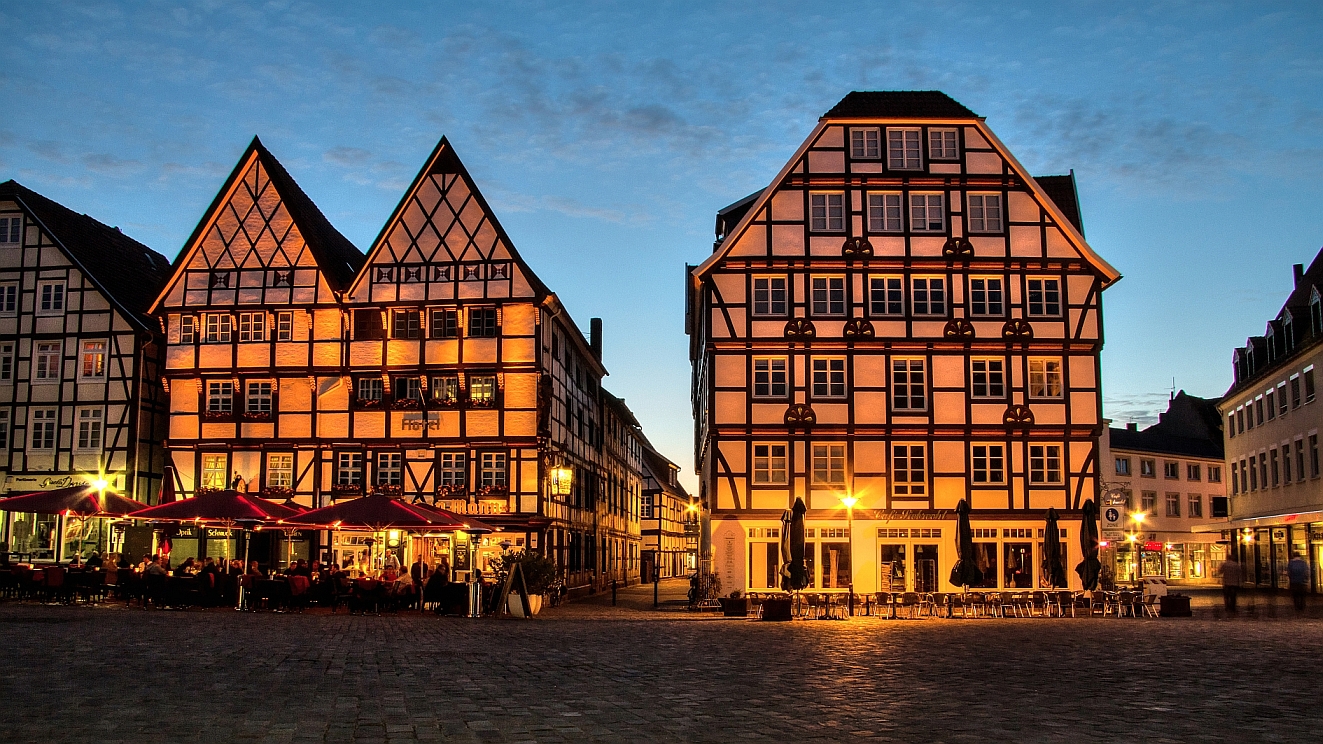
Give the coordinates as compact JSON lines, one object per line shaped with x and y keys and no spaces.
{"x":1288,"y":333}
{"x":1315,"y":313}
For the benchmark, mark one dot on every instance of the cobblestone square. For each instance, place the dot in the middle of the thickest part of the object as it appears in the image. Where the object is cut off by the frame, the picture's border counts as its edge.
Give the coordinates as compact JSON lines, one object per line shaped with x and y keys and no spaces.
{"x":593,"y":673}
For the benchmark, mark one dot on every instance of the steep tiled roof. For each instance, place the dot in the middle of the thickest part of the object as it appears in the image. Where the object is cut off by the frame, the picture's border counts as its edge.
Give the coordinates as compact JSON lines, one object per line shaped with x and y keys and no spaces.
{"x":129,"y":272}
{"x":1062,"y":191}
{"x":899,"y":104}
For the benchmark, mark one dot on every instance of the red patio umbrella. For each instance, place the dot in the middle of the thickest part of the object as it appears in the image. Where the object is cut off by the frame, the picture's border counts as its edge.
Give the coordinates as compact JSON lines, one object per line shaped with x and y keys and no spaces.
{"x":219,"y":506}
{"x":82,"y":501}
{"x":378,"y":512}
{"x":167,"y":494}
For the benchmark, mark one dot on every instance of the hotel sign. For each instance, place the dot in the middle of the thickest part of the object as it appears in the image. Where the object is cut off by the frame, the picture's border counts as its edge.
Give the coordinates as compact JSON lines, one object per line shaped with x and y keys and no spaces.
{"x":420,"y":420}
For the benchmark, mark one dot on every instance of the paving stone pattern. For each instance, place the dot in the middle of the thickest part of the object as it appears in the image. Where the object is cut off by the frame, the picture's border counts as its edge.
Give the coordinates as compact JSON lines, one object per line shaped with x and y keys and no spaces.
{"x":593,"y":673}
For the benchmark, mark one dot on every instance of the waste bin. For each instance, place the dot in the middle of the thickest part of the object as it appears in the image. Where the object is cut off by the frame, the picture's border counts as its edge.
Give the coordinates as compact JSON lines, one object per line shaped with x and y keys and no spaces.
{"x":475,"y":599}
{"x":1174,"y":605}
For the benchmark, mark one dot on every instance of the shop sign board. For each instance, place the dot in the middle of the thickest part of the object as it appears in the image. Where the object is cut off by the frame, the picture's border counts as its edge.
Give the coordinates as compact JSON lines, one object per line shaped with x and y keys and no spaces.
{"x":28,"y":483}
{"x":1112,"y":535}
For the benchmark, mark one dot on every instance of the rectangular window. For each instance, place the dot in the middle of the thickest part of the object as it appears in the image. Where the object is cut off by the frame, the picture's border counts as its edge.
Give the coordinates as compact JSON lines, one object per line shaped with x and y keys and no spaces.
{"x":829,"y":464}
{"x":1193,"y":472}
{"x":1300,"y":459}
{"x":258,"y":398}
{"x":43,"y":429}
{"x":389,"y":470}
{"x":220,"y":396}
{"x":482,"y":390}
{"x":89,"y":429}
{"x":1196,"y":506}
{"x":482,"y":322}
{"x":985,"y":296}
{"x":1313,"y":455}
{"x":1272,"y":408}
{"x":11,"y":229}
{"x":769,"y":295}
{"x":769,"y":377}
{"x":454,"y":470}
{"x":909,"y":470}
{"x":989,"y":463}
{"x":985,"y":213}
{"x":829,"y":378}
{"x":280,"y":471}
{"x":884,"y":213}
{"x":886,"y":295}
{"x":368,"y":325}
{"x":445,"y":323}
{"x":1173,"y":504}
{"x":903,"y":149}
{"x":1214,"y":474}
{"x":1147,"y":469}
{"x":406,"y":324}
{"x":407,"y":388}
{"x":827,"y":212}
{"x":908,"y":386}
{"x":1044,"y":463}
{"x":6,"y":362}
{"x":215,"y":473}
{"x":1281,"y":398}
{"x":988,"y":378}
{"x":942,"y":144}
{"x":4,"y":428}
{"x":1309,"y":385}
{"x":349,"y":468}
{"x":1263,"y":469}
{"x":284,"y":326}
{"x":928,"y":295}
{"x":1295,"y":393}
{"x":866,"y":144}
{"x":444,"y":389}
{"x":1258,"y":413}
{"x":492,"y":470}
{"x":1286,"y":463}
{"x":50,"y":298}
{"x":927,"y":213}
{"x":1044,"y":378}
{"x":9,"y":298}
{"x":828,"y":295}
{"x":47,"y":362}
{"x":769,"y":463}
{"x":1044,"y":297}
{"x":369,"y":389}
{"x":1171,"y":470}
{"x":252,"y":327}
{"x":93,"y":360}
{"x":218,"y":328}
{"x":188,"y":329}
{"x":1123,"y":466}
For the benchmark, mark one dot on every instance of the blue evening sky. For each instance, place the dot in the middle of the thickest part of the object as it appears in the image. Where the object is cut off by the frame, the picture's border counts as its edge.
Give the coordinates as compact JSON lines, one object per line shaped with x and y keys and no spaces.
{"x":606,"y":135}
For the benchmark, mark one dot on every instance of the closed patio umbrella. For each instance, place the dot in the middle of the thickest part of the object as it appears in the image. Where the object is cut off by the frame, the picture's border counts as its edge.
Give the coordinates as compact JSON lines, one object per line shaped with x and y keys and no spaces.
{"x":965,"y":573}
{"x":799,"y":578}
{"x":80,"y":501}
{"x":167,"y":494}
{"x":1090,"y":567}
{"x":785,"y":550}
{"x":1053,"y":567}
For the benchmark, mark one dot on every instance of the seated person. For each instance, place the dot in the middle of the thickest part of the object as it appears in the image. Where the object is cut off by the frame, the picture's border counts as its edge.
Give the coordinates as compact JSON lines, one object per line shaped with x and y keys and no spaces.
{"x":95,"y":560}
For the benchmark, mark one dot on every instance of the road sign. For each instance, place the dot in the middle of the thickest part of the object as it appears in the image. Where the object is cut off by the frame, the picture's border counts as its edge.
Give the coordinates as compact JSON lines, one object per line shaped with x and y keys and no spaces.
{"x":1111,"y":517}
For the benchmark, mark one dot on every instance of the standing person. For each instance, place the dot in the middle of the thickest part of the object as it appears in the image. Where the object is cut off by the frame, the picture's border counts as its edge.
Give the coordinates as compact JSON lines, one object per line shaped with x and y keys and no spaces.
{"x":419,"y":571}
{"x":1231,"y":578}
{"x":1297,"y":574}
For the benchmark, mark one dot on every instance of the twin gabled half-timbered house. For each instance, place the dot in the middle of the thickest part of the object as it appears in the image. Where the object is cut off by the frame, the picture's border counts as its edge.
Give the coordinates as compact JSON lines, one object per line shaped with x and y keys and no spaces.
{"x":903,"y":319}
{"x":79,"y":366}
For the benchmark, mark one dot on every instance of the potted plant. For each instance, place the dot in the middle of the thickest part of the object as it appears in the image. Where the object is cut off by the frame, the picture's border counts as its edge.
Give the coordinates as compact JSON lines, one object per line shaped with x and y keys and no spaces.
{"x":539,"y":573}
{"x":277,"y":493}
{"x":734,"y":605}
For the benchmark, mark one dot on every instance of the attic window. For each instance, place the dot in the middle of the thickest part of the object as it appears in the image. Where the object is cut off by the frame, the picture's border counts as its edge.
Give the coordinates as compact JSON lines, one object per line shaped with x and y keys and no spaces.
{"x":443,"y":274}
{"x":499,"y":271}
{"x":472,"y":271}
{"x":281,"y":279}
{"x":10,"y":229}
{"x":220,"y":279}
{"x":385,"y":275}
{"x":413,"y":274}
{"x":1315,"y":313}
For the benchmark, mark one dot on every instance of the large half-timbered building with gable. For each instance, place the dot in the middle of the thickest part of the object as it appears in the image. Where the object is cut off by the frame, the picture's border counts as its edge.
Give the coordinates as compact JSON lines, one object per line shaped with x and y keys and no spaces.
{"x":79,"y":365}
{"x":903,"y":319}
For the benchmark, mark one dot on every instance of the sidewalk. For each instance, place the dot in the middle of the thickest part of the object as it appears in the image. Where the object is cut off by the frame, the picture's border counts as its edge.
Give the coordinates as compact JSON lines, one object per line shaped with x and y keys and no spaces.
{"x":633,"y":603}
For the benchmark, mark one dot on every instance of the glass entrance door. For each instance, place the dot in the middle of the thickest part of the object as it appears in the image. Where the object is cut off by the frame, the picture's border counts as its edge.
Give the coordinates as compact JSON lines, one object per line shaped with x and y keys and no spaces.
{"x":891,"y":568}
{"x":925,"y":568}
{"x":1019,"y":566}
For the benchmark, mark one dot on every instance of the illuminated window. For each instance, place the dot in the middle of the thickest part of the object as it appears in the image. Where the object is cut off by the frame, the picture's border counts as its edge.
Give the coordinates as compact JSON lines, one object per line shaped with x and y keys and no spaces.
{"x":389,"y":470}
{"x":909,"y":470}
{"x":1044,"y":378}
{"x":927,"y":213}
{"x":866,"y":143}
{"x":214,"y":472}
{"x":769,"y":463}
{"x":884,"y":213}
{"x":1044,"y":463}
{"x":491,"y":470}
{"x":829,"y":464}
{"x":903,"y":149}
{"x":444,"y":388}
{"x":280,"y":470}
{"x":769,"y":295}
{"x":769,"y":377}
{"x":827,"y":212}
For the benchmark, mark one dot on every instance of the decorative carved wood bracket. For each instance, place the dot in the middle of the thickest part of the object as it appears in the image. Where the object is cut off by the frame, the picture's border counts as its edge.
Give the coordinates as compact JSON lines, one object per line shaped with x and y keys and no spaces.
{"x":858,"y":328}
{"x":1018,"y":415}
{"x":1017,"y":330}
{"x":857,"y":248}
{"x":958,"y":248}
{"x":800,"y":415}
{"x":801,"y":328}
{"x":961,"y":330}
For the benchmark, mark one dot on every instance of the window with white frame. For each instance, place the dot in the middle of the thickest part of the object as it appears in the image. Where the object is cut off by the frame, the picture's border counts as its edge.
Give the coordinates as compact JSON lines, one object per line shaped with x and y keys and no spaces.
{"x":453,"y":469}
{"x":903,"y":149}
{"x":280,"y":470}
{"x":93,"y":359}
{"x":1044,"y":297}
{"x":769,"y":295}
{"x":390,"y":468}
{"x":908,"y":385}
{"x":4,"y":428}
{"x":369,"y":388}
{"x":215,"y":472}
{"x":6,"y":362}
{"x":407,"y":388}
{"x":50,"y":298}
{"x":217,"y":328}
{"x":44,"y":424}
{"x":491,"y":470}
{"x":884,"y":213}
{"x":406,"y":324}
{"x":987,"y":378}
{"x":866,"y":143}
{"x":259,"y":397}
{"x":928,"y":295}
{"x":886,"y":295}
{"x":9,"y":298}
{"x":909,"y":468}
{"x":927,"y":213}
{"x":188,"y":329}
{"x":349,"y":468}
{"x":1044,"y":463}
{"x":1123,"y":466}
{"x":829,"y":377}
{"x":11,"y":229}
{"x":1215,"y":471}
{"x":252,"y":327}
{"x":47,"y":362}
{"x":986,"y":295}
{"x":1045,"y":378}
{"x":445,"y":323}
{"x":220,"y":396}
{"x":482,"y":389}
{"x":827,"y":211}
{"x":985,"y":213}
{"x":1196,"y":506}
{"x":829,"y":464}
{"x":444,"y":388}
{"x":284,"y":326}
{"x":828,"y":295}
{"x":769,"y":377}
{"x":769,"y":464}
{"x":89,"y":429}
{"x":989,"y":463}
{"x":942,"y":144}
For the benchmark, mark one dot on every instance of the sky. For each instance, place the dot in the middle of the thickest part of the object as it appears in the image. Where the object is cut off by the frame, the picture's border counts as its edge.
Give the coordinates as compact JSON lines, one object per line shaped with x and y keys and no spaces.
{"x":606,"y":136}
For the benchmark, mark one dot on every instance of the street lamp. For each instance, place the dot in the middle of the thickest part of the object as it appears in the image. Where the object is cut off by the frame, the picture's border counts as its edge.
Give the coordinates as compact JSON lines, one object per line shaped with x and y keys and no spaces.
{"x":849,"y":500}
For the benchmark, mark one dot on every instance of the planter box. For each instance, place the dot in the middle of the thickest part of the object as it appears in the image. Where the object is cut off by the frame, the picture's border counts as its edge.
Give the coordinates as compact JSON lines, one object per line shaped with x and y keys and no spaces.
{"x":776,"y":609}
{"x":1174,"y":605}
{"x":516,"y":605}
{"x":734,"y":607}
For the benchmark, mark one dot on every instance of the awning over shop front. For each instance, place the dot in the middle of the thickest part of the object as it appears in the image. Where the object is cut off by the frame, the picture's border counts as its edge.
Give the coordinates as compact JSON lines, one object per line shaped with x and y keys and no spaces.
{"x":1270,"y":520}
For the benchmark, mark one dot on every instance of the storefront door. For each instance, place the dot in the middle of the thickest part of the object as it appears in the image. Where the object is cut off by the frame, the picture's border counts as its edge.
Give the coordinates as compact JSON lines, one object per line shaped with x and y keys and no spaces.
{"x":891,"y":568}
{"x":925,"y":568}
{"x":1019,"y":566}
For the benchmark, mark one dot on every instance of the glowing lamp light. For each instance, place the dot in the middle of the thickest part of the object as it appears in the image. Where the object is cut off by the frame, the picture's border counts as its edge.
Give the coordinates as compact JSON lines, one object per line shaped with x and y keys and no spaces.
{"x":849,"y":501}
{"x":100,"y":484}
{"x":1103,"y":543}
{"x":393,"y":538}
{"x":562,"y":480}
{"x":1139,"y":517}
{"x":1131,"y":538}
{"x":692,"y":508}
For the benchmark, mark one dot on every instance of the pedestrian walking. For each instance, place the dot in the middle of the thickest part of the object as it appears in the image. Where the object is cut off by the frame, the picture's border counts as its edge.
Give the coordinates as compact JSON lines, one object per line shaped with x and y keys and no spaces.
{"x":1297,"y":574}
{"x":1230,"y":582}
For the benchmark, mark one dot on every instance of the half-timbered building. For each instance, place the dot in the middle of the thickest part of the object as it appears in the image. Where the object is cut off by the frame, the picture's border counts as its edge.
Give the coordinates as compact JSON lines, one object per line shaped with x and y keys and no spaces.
{"x":669,"y":520}
{"x":904,"y":318}
{"x":79,"y":366}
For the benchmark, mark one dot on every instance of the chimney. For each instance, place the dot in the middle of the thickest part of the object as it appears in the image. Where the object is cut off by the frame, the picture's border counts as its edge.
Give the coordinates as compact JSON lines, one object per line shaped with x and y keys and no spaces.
{"x":1132,"y":426}
{"x":595,"y":337}
{"x":1299,"y":271}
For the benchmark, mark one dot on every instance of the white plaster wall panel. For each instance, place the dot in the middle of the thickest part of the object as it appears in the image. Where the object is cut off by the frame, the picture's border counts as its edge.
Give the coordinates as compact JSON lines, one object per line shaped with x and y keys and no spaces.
{"x":1022,"y":207}
{"x":401,"y":353}
{"x":824,"y":245}
{"x":753,"y":242}
{"x":482,"y":424}
{"x":1082,"y":408}
{"x":470,"y":290}
{"x":943,"y":168}
{"x":928,"y":328}
{"x":729,"y":370}
{"x":948,"y":408}
{"x":733,"y":452}
{"x":925,"y":245}
{"x":179,"y":357}
{"x":369,"y":424}
{"x":253,"y":355}
{"x":887,"y":246}
{"x":948,"y":371}
{"x":737,"y":318}
{"x":1048,"y":414}
{"x":832,"y":414}
{"x":365,"y":353}
{"x":947,"y":493}
{"x":258,"y":431}
{"x":787,"y":240}
{"x":718,"y":326}
{"x":183,"y":427}
{"x":728,"y":407}
{"x":983,"y":162}
{"x":442,"y":352}
{"x":1058,"y":246}
{"x":520,"y":423}
{"x":767,"y":414}
{"x":1026,"y":241}
{"x":218,"y":431}
{"x":988,"y":247}
{"x":326,"y":355}
{"x":788,"y":205}
{"x":1082,"y":371}
{"x":768,"y":328}
{"x":520,"y":390}
{"x":215,"y":356}
{"x":731,"y":287}
{"x":826,"y":161}
{"x":974,"y":139}
{"x":518,"y":319}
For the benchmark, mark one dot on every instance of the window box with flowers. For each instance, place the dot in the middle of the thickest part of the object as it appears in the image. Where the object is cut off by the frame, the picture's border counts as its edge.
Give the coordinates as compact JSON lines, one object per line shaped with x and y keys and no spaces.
{"x":204,"y":490}
{"x":444,"y":403}
{"x":492,"y":492}
{"x":394,"y":490}
{"x":452,"y":491}
{"x":407,"y":404}
{"x":367,"y":402}
{"x":340,"y":490}
{"x":256,"y":416}
{"x":482,"y":402}
{"x":217,"y":415}
{"x":277,"y":493}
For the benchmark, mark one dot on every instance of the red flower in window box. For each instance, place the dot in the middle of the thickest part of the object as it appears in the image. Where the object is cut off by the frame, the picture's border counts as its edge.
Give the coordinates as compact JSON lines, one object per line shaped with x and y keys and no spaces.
{"x":491,"y":492}
{"x":346,"y":489}
{"x":277,"y":492}
{"x":389,"y":489}
{"x":367,"y":402}
{"x":256,"y":416}
{"x":407,"y":404}
{"x":217,"y":416}
{"x":453,"y":491}
{"x":482,"y":402}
